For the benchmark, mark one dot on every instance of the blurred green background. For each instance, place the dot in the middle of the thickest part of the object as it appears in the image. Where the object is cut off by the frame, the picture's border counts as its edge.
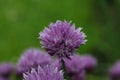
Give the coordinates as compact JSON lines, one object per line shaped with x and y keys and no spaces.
{"x":22,"y":20}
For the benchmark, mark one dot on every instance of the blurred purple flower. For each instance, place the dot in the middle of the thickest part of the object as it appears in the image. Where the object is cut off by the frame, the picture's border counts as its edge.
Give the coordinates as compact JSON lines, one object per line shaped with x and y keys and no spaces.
{"x":62,"y":39}
{"x":78,"y":65}
{"x":3,"y":78}
{"x":89,"y":61}
{"x":114,"y":71}
{"x":79,"y":76}
{"x":75,"y":64}
{"x":6,"y":69}
{"x":45,"y":73}
{"x":32,"y":58}
{"x":75,"y":67}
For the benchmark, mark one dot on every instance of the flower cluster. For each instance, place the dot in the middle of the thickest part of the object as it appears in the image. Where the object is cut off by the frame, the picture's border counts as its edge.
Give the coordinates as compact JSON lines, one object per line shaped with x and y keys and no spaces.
{"x":62,"y":39}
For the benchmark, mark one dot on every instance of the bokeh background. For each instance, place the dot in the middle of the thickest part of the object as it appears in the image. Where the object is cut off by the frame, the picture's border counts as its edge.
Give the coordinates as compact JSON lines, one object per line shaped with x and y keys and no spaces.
{"x":22,"y":20}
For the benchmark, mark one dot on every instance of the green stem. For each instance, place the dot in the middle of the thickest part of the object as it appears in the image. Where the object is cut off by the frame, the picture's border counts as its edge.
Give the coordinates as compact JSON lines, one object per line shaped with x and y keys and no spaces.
{"x":64,"y":70}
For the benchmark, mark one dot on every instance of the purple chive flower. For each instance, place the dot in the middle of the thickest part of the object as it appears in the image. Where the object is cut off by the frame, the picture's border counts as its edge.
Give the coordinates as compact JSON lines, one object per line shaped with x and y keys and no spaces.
{"x":45,"y":73}
{"x":32,"y":58}
{"x":6,"y":69}
{"x":62,"y":39}
{"x":89,"y":61}
{"x":114,"y":71}
{"x":75,"y":67}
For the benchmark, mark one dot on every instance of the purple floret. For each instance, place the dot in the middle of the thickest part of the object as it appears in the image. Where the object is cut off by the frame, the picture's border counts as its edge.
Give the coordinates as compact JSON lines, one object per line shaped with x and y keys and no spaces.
{"x":32,"y":58}
{"x":62,"y":39}
{"x":45,"y":73}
